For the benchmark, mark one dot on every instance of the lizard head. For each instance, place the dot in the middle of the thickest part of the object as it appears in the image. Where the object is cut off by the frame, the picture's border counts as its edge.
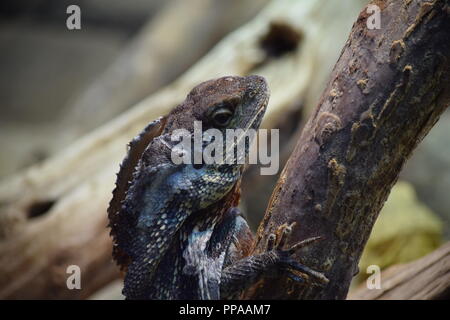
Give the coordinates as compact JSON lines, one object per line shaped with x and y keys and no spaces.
{"x":231,"y":102}
{"x":225,"y":103}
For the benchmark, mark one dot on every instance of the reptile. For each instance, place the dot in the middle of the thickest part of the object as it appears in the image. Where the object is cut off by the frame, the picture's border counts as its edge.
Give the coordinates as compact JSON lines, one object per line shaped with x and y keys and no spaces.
{"x":176,"y":228}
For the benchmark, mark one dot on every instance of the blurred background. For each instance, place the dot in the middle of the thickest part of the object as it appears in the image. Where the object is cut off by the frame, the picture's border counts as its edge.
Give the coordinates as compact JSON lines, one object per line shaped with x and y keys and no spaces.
{"x":70,"y":100}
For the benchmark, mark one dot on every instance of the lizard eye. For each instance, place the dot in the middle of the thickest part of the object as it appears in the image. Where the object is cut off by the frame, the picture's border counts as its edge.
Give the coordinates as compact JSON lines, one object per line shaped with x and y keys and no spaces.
{"x":222,"y":117}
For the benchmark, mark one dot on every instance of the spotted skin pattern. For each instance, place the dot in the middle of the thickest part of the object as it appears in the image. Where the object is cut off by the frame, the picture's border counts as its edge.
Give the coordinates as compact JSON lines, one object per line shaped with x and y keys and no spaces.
{"x":175,"y":228}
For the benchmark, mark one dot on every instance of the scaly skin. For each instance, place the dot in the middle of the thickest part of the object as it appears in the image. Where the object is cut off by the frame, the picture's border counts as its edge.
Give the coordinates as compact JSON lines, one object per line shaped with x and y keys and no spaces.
{"x":174,"y":226}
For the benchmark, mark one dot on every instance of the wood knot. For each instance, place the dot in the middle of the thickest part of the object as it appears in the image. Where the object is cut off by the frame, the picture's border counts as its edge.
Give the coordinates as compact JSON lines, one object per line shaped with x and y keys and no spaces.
{"x":397,"y":49}
{"x":337,"y":171}
{"x":362,"y":84}
{"x":327,"y":124}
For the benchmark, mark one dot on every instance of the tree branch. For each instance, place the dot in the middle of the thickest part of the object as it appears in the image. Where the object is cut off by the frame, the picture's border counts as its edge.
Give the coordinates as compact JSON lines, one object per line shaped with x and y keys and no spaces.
{"x":387,"y":90}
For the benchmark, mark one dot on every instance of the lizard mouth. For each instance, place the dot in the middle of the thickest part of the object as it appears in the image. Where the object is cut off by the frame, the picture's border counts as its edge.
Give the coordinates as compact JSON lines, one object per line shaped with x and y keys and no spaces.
{"x":254,"y":109}
{"x":258,"y":93}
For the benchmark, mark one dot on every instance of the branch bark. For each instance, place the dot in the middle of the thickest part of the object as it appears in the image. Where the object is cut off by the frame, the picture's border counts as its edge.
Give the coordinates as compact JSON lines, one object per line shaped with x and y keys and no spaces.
{"x":387,"y":90}
{"x":425,"y":279}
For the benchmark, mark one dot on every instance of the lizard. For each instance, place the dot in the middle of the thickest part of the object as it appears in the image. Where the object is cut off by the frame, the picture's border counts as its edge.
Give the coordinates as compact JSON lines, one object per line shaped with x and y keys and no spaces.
{"x":176,"y":228}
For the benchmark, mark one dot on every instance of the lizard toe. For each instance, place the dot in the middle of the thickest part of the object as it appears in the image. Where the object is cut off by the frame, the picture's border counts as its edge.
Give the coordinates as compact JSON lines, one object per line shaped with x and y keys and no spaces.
{"x":304,"y":243}
{"x":317,"y":276}
{"x":295,"y":277}
{"x":284,"y":233}
{"x":271,"y":242}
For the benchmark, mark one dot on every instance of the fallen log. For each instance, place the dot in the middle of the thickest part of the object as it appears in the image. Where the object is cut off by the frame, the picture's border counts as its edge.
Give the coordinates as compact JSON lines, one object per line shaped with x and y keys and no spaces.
{"x":425,"y":279}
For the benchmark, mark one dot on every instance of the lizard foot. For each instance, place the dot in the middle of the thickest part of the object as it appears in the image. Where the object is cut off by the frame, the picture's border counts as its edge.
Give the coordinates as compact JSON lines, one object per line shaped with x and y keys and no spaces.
{"x":296,"y":271}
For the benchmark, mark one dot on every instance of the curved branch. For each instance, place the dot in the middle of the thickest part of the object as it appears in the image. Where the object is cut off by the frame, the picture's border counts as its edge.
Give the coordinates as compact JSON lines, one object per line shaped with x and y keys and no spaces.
{"x":387,"y":90}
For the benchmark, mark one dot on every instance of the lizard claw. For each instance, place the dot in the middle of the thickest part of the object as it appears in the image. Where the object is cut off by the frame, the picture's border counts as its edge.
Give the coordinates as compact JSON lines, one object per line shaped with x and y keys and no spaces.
{"x":295,"y":278}
{"x":271,"y":239}
{"x":296,"y":271}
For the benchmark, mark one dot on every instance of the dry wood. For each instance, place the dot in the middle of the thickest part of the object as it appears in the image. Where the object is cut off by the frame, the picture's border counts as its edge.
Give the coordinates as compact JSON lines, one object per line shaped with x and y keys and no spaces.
{"x":165,"y":47}
{"x":425,"y":279}
{"x":387,"y":90}
{"x":54,"y":214}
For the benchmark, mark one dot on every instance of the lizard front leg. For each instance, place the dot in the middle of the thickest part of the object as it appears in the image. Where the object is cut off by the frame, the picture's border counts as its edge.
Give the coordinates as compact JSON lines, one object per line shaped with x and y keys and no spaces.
{"x":276,"y":261}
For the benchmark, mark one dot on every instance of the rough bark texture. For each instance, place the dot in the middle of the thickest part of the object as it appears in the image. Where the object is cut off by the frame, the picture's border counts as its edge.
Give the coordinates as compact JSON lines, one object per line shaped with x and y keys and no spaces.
{"x":425,"y":279}
{"x":387,"y":90}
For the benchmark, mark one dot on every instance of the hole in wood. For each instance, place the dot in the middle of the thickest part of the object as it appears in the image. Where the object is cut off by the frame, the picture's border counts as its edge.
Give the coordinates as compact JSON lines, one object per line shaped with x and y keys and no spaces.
{"x":280,"y":39}
{"x":39,"y":208}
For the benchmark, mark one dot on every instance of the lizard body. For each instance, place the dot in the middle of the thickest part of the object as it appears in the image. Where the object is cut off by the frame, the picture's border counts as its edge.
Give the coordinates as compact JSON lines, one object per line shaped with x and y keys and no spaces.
{"x":175,"y":227}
